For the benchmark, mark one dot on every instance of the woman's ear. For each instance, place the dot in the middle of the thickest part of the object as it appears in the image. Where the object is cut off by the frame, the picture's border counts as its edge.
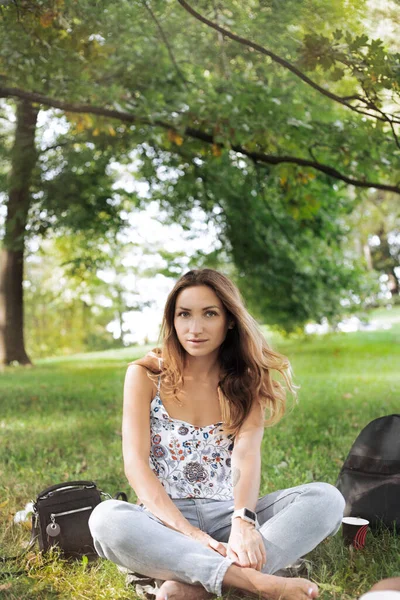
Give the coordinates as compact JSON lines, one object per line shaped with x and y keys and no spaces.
{"x":231,"y":325}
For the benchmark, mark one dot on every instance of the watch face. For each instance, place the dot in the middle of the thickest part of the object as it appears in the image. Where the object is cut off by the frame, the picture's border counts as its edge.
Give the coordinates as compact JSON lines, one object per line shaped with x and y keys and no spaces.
{"x":250,"y":514}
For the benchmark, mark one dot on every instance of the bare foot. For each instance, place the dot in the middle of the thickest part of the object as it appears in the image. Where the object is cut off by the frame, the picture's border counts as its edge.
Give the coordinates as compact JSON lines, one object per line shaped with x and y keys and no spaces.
{"x":274,"y":588}
{"x":177,"y":590}
{"x":284,"y":588}
{"x":269,"y":587}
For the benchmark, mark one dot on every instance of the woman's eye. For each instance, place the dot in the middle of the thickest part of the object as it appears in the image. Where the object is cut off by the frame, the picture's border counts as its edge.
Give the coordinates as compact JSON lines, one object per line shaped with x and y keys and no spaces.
{"x":183,"y":313}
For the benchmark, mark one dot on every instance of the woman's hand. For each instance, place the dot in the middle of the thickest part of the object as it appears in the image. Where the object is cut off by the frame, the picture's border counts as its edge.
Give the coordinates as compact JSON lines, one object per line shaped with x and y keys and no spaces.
{"x":208,"y":541}
{"x":246,"y":545}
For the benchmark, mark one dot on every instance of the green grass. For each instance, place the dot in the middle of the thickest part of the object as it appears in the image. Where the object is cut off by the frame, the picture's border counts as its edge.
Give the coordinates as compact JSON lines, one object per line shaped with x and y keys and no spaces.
{"x":62,"y":420}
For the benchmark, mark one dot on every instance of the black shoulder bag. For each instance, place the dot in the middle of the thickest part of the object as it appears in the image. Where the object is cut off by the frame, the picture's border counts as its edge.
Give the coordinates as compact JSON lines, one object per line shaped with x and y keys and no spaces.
{"x":61,"y":517}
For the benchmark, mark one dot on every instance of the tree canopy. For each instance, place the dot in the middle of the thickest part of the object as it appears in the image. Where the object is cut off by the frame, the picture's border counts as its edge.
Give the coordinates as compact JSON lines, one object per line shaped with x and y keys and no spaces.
{"x":275,"y":118}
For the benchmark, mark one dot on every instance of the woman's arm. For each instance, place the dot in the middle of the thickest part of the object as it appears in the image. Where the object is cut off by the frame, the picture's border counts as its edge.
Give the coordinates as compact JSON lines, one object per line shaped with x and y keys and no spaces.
{"x":138,"y":392}
{"x":246,"y":463}
{"x":245,"y":544}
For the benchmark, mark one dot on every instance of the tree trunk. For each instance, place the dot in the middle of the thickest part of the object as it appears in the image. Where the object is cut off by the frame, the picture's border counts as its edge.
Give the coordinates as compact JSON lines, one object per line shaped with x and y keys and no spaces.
{"x":23,"y":160}
{"x":368,"y":256}
{"x":394,"y":284}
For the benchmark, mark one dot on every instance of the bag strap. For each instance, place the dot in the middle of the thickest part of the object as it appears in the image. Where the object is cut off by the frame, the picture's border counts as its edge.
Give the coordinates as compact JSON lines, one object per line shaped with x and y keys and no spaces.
{"x":121,"y":495}
{"x":66,"y":484}
{"x":31,"y":543}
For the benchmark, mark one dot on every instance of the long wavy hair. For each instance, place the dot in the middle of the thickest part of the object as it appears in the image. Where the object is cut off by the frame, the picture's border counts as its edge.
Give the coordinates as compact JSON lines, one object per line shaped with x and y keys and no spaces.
{"x":245,"y":358}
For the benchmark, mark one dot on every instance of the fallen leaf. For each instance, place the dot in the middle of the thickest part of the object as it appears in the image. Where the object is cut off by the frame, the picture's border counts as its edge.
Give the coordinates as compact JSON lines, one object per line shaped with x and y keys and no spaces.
{"x":46,"y":19}
{"x":175,"y":137}
{"x":216,"y":150}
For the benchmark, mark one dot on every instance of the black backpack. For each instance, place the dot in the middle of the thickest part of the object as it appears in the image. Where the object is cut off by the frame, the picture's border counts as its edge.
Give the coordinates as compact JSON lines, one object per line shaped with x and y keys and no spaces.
{"x":370,"y":477}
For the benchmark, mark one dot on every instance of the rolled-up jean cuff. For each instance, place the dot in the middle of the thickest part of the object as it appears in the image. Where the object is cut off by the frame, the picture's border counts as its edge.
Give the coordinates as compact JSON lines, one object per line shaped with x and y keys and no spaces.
{"x":220,"y":574}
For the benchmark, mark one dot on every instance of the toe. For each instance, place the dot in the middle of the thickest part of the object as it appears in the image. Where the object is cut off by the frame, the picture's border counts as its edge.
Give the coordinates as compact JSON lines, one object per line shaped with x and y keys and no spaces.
{"x":166,"y":590}
{"x":312,"y":591}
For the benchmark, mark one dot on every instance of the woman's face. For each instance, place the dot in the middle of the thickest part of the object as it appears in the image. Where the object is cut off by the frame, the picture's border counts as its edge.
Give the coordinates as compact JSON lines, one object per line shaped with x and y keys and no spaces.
{"x":200,"y":320}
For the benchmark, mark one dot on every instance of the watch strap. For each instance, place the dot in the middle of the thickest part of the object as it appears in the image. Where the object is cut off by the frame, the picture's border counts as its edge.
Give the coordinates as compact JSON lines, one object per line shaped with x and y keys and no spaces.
{"x":246,"y":514}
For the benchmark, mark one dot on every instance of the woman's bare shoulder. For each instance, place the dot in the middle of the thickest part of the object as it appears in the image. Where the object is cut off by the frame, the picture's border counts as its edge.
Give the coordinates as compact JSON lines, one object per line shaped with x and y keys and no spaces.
{"x":152,"y":361}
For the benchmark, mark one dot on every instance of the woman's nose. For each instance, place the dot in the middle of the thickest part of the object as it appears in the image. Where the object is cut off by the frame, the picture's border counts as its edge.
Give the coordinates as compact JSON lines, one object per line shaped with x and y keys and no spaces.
{"x":195,"y":326}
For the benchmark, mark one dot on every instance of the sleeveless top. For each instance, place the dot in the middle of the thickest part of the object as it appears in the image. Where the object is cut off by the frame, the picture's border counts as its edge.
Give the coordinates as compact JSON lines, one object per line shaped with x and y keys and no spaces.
{"x":189,"y":461}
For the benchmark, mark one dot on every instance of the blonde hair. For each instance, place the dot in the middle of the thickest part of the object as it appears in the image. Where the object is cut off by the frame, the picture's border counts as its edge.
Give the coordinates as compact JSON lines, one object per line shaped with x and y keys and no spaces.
{"x":246,"y":360}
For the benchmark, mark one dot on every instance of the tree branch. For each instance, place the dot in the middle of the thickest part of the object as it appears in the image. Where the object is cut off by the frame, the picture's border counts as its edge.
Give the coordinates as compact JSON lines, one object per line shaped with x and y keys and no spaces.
{"x":55,"y":146}
{"x":197,"y":134}
{"x":220,"y":38}
{"x":391,"y":121}
{"x":166,"y":42}
{"x":284,"y":63}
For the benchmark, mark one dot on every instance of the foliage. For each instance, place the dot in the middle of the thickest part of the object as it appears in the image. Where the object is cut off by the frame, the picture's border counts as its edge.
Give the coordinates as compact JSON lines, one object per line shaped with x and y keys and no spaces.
{"x":284,"y":235}
{"x":73,"y":290}
{"x":374,"y":228}
{"x":63,"y":314}
{"x":195,"y":97}
{"x":368,"y":61}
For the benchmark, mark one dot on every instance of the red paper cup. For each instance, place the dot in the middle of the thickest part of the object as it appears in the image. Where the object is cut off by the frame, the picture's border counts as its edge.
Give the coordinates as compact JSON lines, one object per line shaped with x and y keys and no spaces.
{"x":354,"y":531}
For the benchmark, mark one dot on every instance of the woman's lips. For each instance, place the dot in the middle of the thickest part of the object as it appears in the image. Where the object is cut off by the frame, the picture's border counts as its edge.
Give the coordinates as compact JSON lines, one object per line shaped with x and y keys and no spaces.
{"x":196,"y":341}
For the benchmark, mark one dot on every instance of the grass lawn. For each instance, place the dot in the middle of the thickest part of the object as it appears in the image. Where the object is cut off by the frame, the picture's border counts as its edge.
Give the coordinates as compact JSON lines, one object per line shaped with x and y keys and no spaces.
{"x":62,"y":420}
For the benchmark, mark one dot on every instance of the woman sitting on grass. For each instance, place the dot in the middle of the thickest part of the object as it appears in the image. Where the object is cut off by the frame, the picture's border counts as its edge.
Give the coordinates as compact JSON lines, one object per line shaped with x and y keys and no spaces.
{"x":193,"y":423}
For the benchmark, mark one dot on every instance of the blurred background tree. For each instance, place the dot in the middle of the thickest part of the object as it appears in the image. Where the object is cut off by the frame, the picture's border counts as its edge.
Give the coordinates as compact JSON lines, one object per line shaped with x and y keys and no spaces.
{"x":278,"y":135}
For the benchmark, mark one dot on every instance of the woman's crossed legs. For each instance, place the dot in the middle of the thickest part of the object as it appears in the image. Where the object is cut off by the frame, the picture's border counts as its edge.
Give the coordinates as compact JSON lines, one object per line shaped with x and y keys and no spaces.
{"x":292,"y":521}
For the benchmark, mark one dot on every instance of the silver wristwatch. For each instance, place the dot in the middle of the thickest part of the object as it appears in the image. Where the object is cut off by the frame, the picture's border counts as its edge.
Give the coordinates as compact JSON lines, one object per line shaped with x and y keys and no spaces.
{"x":246,"y":514}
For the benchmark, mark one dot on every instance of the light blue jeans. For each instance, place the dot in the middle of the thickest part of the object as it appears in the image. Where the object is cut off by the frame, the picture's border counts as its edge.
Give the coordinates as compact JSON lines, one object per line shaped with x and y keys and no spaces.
{"x":292,"y":523}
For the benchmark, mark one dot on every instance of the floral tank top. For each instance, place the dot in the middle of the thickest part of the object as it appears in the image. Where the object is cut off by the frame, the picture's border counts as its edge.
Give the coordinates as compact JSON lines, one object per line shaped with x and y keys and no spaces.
{"x":189,"y":461}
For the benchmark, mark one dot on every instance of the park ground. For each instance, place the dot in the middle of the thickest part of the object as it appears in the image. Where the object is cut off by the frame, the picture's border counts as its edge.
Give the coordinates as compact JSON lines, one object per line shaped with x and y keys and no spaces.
{"x":61,"y":420}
